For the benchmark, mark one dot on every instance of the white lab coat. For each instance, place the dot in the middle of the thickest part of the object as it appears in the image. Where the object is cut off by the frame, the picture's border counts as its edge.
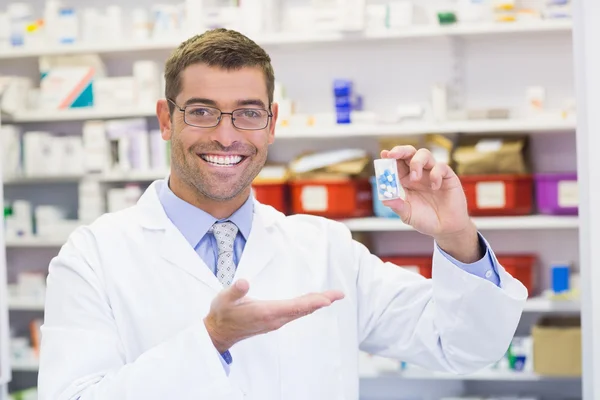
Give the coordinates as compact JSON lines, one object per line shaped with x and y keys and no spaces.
{"x":127,"y":296}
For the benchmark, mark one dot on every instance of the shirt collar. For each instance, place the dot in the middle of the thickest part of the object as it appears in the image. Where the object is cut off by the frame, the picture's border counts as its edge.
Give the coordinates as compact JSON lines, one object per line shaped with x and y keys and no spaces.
{"x":194,"y":223}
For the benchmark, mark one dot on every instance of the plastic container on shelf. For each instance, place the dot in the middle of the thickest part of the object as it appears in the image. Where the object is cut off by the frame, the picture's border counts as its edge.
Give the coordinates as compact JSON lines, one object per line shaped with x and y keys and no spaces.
{"x":275,"y":194}
{"x":335,"y":198}
{"x":557,"y":193}
{"x":521,"y":267}
{"x":421,"y":264}
{"x":498,"y":194}
{"x":379,"y":209}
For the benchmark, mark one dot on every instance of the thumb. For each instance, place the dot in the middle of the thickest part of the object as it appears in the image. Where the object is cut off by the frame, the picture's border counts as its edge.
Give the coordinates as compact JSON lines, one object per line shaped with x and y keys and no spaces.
{"x":238,"y":290}
{"x":400,"y":207}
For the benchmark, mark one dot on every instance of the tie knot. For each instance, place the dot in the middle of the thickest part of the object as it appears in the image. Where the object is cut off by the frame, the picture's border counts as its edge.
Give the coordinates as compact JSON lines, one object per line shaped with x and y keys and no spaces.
{"x":225,"y":233}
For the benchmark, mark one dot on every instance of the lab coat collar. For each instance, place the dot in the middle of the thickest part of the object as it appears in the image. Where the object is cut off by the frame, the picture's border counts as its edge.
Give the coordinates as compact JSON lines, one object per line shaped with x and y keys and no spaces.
{"x":257,"y":254}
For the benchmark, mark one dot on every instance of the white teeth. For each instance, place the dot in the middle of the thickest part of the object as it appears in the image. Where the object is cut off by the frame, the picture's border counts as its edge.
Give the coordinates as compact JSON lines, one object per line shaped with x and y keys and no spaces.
{"x":222,"y":160}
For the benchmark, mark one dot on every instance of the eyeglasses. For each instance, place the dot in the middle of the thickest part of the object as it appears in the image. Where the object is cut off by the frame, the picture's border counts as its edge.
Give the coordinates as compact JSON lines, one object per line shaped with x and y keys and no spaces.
{"x":201,"y":116}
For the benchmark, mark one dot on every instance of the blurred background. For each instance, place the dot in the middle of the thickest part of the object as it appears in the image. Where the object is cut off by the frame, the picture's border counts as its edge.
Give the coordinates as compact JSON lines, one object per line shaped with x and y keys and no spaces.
{"x":486,"y":85}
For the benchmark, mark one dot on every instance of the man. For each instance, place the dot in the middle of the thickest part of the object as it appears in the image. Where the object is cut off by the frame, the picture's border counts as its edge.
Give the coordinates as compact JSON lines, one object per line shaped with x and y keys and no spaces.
{"x":200,"y":292}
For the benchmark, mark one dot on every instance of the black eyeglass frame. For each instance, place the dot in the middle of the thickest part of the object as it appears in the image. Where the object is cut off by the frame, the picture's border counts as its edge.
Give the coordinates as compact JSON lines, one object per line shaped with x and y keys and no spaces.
{"x":221,"y":113}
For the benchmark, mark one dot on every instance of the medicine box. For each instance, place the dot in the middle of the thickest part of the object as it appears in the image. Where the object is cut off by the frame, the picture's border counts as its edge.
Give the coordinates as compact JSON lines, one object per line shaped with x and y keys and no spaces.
{"x":557,"y":193}
{"x":557,"y":346}
{"x":334,"y":198}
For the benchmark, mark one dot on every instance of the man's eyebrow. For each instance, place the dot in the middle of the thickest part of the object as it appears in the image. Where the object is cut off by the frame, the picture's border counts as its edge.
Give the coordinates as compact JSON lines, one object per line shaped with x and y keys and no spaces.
{"x":200,"y":100}
{"x":251,"y":102}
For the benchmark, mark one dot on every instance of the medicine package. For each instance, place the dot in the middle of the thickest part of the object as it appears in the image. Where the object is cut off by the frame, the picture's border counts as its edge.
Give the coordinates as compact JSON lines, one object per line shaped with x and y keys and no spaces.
{"x":388,"y":182}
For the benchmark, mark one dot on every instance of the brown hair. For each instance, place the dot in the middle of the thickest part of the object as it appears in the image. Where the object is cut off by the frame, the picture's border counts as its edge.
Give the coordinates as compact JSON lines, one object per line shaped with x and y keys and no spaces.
{"x":221,"y":48}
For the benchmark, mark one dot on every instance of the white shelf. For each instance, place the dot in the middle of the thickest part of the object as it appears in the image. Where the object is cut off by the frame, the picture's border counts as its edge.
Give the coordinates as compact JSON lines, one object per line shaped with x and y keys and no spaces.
{"x":486,"y":375}
{"x":544,"y":305}
{"x":546,"y":124}
{"x":35,"y":242}
{"x":534,"y":125}
{"x":372,"y":224}
{"x":36,"y":180}
{"x":307,"y":38}
{"x":23,"y":304}
{"x":21,"y":366}
{"x":78,"y":114}
{"x":132,"y":176}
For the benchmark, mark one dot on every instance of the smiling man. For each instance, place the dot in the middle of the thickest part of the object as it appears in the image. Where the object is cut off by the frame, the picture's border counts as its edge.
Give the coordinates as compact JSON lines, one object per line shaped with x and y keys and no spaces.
{"x":200,"y":292}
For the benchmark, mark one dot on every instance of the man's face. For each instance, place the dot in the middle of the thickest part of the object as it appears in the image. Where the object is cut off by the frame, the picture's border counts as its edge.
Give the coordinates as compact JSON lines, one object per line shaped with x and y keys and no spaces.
{"x":220,"y":162}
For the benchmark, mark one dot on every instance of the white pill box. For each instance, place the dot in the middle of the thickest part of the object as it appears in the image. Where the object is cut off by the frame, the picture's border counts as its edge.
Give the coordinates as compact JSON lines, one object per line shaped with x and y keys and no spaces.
{"x":387,"y":180}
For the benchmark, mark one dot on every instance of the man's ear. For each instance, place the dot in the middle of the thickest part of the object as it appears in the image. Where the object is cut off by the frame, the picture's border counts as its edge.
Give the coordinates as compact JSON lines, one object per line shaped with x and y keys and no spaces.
{"x":275,"y":112}
{"x":164,"y":119}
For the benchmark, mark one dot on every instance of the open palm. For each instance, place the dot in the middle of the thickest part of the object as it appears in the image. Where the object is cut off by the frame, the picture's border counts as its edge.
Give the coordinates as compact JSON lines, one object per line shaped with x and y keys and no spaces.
{"x":435,"y":203}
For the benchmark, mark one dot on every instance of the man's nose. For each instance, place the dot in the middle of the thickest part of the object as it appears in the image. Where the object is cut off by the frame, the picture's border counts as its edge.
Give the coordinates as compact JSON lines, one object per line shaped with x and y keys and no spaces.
{"x":225,"y":133}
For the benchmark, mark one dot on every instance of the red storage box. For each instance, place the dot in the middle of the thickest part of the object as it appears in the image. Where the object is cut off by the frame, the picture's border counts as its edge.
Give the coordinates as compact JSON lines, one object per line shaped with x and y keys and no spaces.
{"x":522,"y":268}
{"x":344,"y":198}
{"x":275,"y":194}
{"x":419,"y":264}
{"x":502,"y":194}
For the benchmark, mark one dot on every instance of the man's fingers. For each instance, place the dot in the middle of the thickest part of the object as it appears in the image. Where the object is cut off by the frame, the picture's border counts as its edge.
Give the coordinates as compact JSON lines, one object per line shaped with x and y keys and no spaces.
{"x":289,"y":310}
{"x":400,"y":152}
{"x":423,"y":159}
{"x":237,"y":291}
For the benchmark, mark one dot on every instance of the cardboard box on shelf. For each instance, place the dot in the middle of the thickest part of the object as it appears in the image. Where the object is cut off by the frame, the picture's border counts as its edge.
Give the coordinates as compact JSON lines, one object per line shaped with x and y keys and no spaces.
{"x":557,"y":346}
{"x":491,"y":155}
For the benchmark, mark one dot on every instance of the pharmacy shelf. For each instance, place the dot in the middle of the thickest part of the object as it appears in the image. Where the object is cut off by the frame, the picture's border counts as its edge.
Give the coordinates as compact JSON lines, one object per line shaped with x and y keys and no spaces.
{"x":22,"y":366}
{"x":24,"y":304}
{"x":486,"y":375}
{"x":37,"y":180}
{"x":545,"y":305}
{"x":301,"y":38}
{"x":533,"y":125}
{"x":546,"y":124}
{"x":533,"y":305}
{"x":528,"y":222}
{"x":35,"y":242}
{"x":373,"y":224}
{"x":78,"y":114}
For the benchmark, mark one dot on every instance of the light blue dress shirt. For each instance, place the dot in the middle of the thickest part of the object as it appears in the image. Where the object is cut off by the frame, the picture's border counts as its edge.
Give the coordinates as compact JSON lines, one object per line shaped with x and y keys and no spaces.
{"x":194,"y":224}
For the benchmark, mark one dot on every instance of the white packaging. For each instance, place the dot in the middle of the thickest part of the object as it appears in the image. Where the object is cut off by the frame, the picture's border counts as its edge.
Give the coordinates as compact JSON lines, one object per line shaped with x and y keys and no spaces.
{"x":114,"y":23}
{"x":96,"y":147}
{"x":38,"y":157}
{"x":19,"y":14}
{"x":352,"y":14}
{"x":400,"y":14}
{"x":253,"y":22}
{"x":146,"y":77}
{"x":115,"y":92}
{"x":536,"y":99}
{"x":273,"y":15}
{"x":439,"y":102}
{"x":93,"y":25}
{"x":4,"y":30}
{"x":10,"y":150}
{"x":72,"y":156}
{"x":68,"y":25}
{"x":21,"y":222}
{"x":142,"y":26}
{"x":194,"y":17}
{"x":376,"y":17}
{"x":15,"y":94}
{"x":387,"y":180}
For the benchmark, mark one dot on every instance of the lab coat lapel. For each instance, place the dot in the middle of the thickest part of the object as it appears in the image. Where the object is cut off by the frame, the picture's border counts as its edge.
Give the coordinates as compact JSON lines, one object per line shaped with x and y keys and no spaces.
{"x":259,"y":249}
{"x":171,"y":245}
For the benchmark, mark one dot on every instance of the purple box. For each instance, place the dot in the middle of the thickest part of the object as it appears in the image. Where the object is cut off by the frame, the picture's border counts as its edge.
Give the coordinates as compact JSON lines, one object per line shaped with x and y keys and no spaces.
{"x":557,"y":193}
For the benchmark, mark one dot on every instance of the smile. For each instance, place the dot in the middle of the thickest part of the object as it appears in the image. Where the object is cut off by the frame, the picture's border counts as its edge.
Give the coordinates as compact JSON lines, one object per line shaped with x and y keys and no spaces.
{"x":222,"y":161}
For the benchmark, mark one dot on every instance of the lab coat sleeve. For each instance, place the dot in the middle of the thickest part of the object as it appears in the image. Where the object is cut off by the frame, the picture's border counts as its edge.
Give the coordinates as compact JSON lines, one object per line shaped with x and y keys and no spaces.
{"x":82,"y":357}
{"x":455,"y":322}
